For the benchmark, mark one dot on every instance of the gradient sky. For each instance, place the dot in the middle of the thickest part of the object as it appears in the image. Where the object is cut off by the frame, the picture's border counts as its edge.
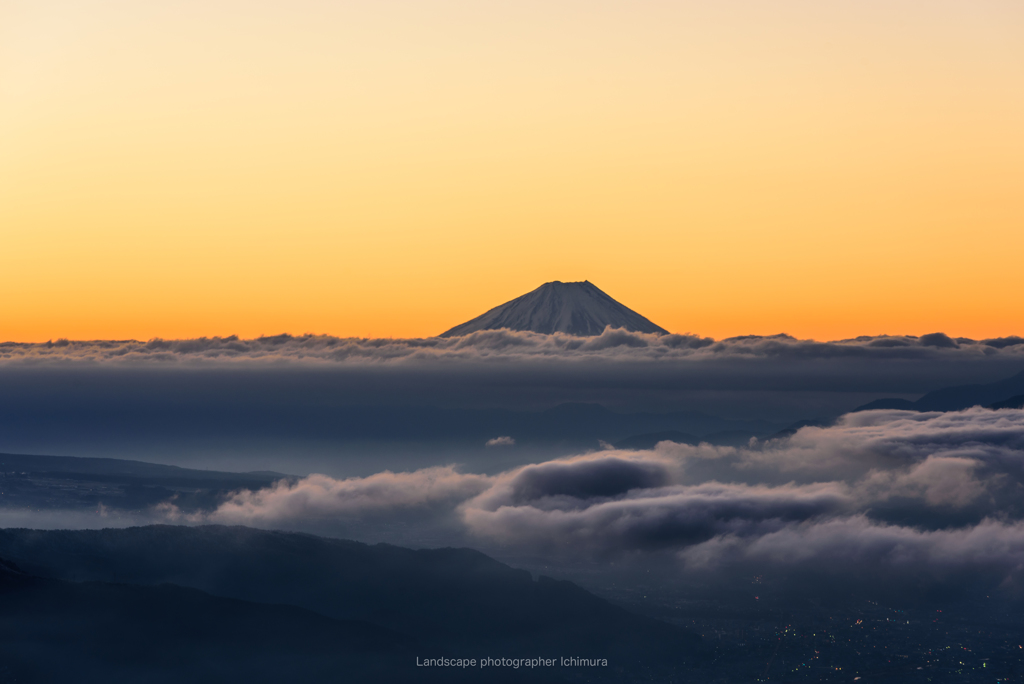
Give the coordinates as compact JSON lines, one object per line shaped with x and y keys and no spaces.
{"x":822,"y":168}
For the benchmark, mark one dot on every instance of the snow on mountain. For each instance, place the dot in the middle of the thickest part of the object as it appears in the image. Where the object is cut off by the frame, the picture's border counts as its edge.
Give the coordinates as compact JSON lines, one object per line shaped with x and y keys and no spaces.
{"x":573,"y":308}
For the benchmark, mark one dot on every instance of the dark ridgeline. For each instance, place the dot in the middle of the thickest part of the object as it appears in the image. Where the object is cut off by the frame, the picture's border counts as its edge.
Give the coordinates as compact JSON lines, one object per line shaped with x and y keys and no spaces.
{"x":141,"y":470}
{"x":1014,"y":402}
{"x":123,"y":623}
{"x":996,"y":395}
{"x":217,"y":594}
{"x":572,"y":308}
{"x":53,"y":630}
{"x":73,"y":483}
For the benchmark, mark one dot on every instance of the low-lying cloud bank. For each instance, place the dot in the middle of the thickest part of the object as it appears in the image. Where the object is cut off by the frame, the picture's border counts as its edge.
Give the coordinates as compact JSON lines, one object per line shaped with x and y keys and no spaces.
{"x":501,"y":344}
{"x":127,"y":399}
{"x":317,"y":498}
{"x":926,"y":497}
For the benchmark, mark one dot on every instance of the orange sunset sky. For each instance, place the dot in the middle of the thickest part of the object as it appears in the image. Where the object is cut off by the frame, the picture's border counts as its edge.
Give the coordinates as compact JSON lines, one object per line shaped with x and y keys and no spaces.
{"x":383,"y":168}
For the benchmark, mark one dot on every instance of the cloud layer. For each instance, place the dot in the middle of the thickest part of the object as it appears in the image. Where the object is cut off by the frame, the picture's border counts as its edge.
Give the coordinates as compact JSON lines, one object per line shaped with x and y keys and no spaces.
{"x":318,"y":497}
{"x":310,"y":396}
{"x":502,"y":344}
{"x":927,"y":497}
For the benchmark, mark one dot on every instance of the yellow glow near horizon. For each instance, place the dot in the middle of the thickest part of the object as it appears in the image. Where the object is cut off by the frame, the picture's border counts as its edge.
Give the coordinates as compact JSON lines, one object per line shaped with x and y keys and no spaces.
{"x":826,"y":169}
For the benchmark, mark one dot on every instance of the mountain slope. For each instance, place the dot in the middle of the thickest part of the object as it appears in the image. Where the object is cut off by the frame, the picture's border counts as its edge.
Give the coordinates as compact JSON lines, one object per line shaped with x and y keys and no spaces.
{"x":140,"y":470}
{"x":69,"y":482}
{"x":572,"y":308}
{"x":58,"y":631}
{"x":956,"y":398}
{"x":1014,"y":402}
{"x":441,"y":597}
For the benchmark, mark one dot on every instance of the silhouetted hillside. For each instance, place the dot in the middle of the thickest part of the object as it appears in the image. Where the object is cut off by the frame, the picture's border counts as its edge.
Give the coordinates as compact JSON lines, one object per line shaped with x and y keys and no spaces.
{"x":956,"y":398}
{"x":1011,"y":403}
{"x":888,"y":404}
{"x":140,"y":470}
{"x":57,"y":631}
{"x":69,"y":482}
{"x":443,"y":597}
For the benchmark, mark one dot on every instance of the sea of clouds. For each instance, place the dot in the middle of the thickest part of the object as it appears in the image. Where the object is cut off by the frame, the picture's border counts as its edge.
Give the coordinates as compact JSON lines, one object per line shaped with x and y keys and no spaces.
{"x":898,"y":498}
{"x":930,"y":499}
{"x":502,"y":344}
{"x":777,"y":378}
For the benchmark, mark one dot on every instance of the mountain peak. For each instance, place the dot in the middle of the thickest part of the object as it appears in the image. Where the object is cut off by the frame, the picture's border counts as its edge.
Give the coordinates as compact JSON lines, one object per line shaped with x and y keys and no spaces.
{"x":577,"y":308}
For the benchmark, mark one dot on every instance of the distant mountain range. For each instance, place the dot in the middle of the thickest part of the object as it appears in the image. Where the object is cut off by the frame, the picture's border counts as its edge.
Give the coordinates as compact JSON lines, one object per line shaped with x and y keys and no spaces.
{"x":33,"y":482}
{"x":575,"y":424}
{"x":1011,"y":403}
{"x":1000,"y":394}
{"x":72,"y":483}
{"x":573,"y":308}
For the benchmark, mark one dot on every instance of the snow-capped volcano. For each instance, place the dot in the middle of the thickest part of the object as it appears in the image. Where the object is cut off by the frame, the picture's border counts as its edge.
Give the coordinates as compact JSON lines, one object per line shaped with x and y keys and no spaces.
{"x":573,"y":308}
